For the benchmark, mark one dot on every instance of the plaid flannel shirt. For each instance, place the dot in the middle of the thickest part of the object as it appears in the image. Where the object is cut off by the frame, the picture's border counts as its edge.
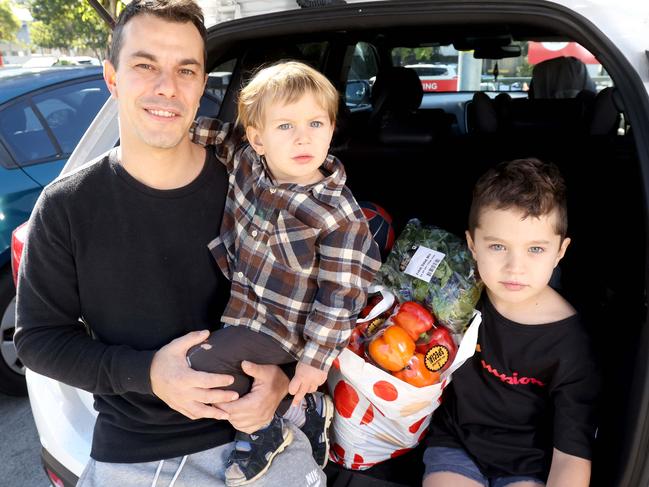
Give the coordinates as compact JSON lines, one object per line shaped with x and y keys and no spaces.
{"x":300,"y":258}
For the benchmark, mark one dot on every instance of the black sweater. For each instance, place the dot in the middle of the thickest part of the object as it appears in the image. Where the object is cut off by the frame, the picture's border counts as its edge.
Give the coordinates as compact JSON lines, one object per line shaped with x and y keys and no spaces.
{"x":132,"y":264}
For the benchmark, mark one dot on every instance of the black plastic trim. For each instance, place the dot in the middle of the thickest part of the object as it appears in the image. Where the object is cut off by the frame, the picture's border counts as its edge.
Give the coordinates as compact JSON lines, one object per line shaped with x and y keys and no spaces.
{"x":49,"y":462}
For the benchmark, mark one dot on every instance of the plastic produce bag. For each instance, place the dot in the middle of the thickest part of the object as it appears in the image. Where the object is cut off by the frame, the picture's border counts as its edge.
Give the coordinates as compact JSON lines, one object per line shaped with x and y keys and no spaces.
{"x":434,"y":267}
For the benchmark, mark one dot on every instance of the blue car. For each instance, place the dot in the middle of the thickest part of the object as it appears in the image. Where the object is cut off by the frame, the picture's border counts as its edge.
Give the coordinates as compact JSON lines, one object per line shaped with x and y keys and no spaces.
{"x":43,"y":114}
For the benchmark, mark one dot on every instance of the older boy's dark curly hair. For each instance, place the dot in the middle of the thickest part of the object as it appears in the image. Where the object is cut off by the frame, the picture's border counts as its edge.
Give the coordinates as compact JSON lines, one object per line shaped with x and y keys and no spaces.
{"x":170,"y":10}
{"x":534,"y":187}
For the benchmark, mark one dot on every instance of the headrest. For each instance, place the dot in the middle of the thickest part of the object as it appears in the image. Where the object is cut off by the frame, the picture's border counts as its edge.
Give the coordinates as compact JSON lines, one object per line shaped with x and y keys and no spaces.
{"x":484,"y":113}
{"x":397,"y":87}
{"x":561,"y":77}
{"x":606,"y":115}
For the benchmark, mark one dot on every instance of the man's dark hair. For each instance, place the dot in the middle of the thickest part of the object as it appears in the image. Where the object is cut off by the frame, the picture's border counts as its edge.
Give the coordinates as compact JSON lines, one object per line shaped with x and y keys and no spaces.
{"x":171,"y":10}
{"x":534,"y":187}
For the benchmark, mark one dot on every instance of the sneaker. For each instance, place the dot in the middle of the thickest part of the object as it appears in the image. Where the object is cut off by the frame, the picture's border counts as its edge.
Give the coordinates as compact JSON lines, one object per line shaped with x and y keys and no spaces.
{"x":254,"y":452}
{"x":319,"y":412}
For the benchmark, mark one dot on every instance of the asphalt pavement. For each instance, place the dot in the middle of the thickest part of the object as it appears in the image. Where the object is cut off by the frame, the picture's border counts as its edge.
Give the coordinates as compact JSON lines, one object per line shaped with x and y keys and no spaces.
{"x":19,"y":446}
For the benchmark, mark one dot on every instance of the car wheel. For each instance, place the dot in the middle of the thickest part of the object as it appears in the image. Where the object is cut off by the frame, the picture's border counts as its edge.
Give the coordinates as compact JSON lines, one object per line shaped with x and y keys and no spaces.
{"x":12,"y":371}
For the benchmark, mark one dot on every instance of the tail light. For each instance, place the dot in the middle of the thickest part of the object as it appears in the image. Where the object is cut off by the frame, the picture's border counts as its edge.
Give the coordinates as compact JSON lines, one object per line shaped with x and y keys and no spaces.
{"x":55,"y":479}
{"x":17,"y":242}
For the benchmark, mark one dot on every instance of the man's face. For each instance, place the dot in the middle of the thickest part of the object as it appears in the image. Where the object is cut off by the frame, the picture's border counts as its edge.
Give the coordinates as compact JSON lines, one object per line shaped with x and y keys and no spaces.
{"x":159,"y":82}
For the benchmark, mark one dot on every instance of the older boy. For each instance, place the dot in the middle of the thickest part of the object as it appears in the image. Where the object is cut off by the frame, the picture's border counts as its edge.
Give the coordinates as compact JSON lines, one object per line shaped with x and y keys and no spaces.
{"x":521,"y":410}
{"x":296,"y":247}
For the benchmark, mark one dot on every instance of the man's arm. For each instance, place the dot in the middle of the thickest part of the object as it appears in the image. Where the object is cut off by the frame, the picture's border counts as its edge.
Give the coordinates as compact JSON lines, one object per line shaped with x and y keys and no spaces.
{"x":568,"y":471}
{"x":51,"y":341}
{"x":349,"y":258}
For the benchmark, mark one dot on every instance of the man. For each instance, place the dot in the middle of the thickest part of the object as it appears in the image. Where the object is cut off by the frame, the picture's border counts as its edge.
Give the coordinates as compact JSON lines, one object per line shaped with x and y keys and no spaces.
{"x":117,"y":283}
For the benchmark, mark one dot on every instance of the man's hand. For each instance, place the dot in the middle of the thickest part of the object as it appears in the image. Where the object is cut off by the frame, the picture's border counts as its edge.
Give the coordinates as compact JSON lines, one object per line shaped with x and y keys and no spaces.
{"x":186,"y":390}
{"x":306,"y":379}
{"x":255,"y":410}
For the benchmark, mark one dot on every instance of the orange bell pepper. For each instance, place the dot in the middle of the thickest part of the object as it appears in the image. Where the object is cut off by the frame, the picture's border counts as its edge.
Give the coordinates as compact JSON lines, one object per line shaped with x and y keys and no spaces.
{"x":392,"y":349}
{"x":416,"y":372}
{"x":413,"y":318}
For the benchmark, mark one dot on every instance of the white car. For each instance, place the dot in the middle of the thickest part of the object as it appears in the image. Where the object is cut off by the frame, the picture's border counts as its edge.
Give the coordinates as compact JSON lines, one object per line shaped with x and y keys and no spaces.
{"x":428,"y":171}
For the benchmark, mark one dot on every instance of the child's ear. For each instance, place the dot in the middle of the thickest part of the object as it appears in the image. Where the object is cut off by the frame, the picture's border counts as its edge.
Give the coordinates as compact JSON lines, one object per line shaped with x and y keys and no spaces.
{"x":470,"y":243}
{"x":562,"y":250}
{"x":254,"y":138}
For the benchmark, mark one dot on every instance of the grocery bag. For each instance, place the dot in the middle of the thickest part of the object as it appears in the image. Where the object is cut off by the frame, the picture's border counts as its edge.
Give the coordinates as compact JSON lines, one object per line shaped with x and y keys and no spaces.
{"x":377,"y":416}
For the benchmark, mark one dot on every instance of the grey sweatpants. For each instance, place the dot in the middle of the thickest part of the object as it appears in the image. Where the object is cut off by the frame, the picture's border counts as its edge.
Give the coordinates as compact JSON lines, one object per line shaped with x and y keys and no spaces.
{"x":293,"y":467}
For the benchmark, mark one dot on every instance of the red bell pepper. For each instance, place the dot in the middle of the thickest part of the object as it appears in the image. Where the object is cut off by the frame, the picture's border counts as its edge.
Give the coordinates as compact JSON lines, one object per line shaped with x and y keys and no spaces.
{"x":357,"y":340}
{"x":416,"y":372}
{"x":413,"y":318}
{"x":392,"y":348}
{"x":438,"y":348}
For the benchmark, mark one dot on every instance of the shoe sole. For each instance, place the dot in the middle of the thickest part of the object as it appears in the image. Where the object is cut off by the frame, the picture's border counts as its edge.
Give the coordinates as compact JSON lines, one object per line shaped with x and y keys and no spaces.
{"x":287,"y":441}
{"x":329,"y":414}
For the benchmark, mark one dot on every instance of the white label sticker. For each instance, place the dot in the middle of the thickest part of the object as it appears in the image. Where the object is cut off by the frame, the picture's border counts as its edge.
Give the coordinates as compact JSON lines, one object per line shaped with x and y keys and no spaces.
{"x":424,"y":263}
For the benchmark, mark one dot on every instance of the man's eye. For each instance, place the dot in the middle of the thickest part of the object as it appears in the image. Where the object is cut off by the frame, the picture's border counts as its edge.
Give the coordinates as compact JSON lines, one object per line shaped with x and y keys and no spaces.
{"x":316,"y":124}
{"x":537,"y":250}
{"x":144,"y":66}
{"x":497,"y":247}
{"x":284,"y":126}
{"x":187,"y":72}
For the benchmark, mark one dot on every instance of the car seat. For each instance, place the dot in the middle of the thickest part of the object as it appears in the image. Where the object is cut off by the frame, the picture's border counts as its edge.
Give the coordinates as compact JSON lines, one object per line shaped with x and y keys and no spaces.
{"x":396,"y":96}
{"x":560,"y":77}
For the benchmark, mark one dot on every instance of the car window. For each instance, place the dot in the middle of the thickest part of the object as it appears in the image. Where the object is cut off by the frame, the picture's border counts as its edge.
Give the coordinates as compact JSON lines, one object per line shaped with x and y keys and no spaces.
{"x":70,"y":110}
{"x":443,"y":68}
{"x":361,"y":75}
{"x":218,"y":81}
{"x":24,"y":135}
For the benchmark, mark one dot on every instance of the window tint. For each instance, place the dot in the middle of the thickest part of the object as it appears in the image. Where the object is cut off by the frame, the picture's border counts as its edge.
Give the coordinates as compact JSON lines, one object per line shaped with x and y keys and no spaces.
{"x":24,"y":135}
{"x":70,"y":110}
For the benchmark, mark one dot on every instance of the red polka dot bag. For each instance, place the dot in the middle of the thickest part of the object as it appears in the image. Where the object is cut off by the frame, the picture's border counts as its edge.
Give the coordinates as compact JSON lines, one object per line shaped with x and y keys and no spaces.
{"x":381,"y":414}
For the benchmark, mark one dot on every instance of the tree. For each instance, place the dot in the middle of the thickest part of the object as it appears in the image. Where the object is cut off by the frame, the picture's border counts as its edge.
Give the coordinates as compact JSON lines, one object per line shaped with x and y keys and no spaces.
{"x":71,"y":23}
{"x":9,"y":24}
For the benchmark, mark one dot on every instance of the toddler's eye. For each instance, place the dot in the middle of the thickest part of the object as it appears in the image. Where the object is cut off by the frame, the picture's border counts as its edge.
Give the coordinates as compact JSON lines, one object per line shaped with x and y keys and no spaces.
{"x":497,"y":247}
{"x":316,"y":124}
{"x":284,"y":126}
{"x":537,"y":250}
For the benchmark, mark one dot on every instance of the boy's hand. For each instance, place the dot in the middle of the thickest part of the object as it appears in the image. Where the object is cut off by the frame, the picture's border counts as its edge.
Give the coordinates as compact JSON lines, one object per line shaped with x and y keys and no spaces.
{"x":306,"y":379}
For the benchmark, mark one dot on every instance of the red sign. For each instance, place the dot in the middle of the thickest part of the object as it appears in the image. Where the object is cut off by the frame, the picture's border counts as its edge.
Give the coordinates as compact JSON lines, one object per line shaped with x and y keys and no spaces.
{"x":542,"y":51}
{"x":430,"y":85}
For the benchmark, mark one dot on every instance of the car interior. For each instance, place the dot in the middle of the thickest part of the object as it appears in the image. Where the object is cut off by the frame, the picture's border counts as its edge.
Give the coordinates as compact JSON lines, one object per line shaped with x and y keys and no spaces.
{"x":419,"y":154}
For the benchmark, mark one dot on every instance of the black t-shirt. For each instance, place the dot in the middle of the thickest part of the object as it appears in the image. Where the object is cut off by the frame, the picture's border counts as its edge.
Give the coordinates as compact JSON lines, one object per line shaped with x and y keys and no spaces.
{"x":133,"y":263}
{"x":527,"y":389}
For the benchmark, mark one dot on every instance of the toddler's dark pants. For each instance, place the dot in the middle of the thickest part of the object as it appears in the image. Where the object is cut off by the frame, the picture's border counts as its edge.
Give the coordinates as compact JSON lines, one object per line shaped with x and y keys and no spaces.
{"x":229,"y":347}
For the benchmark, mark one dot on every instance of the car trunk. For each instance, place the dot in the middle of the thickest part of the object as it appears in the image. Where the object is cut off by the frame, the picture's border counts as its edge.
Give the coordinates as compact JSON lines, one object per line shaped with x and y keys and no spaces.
{"x":604,"y":272}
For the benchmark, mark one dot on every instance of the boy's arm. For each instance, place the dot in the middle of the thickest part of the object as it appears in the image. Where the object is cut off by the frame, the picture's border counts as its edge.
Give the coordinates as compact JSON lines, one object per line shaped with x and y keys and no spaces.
{"x":568,"y":471}
{"x":224,"y":136}
{"x":349,"y":258}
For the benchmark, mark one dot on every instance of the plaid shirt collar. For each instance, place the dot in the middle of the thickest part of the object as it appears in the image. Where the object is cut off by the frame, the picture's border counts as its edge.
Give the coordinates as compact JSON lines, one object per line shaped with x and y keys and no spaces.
{"x":326,"y":190}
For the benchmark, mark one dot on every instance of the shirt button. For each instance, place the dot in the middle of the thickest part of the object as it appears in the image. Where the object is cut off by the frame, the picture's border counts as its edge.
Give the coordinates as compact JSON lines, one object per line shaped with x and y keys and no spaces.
{"x":254,"y":233}
{"x":272,"y":190}
{"x":240,"y":274}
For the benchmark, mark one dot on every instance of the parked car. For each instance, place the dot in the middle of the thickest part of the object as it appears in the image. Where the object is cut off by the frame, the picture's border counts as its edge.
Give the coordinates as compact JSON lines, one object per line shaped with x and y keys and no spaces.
{"x":43,"y":114}
{"x":422,"y":161}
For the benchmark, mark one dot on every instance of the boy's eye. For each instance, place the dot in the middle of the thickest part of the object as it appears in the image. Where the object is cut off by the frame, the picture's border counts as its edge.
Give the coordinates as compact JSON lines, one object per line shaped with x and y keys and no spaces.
{"x":497,"y":247}
{"x":536,"y":250}
{"x":284,"y":126}
{"x":316,"y":124}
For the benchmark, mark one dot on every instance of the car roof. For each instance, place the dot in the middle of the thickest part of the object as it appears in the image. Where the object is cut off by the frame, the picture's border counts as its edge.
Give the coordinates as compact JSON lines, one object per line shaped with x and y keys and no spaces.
{"x":17,"y":82}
